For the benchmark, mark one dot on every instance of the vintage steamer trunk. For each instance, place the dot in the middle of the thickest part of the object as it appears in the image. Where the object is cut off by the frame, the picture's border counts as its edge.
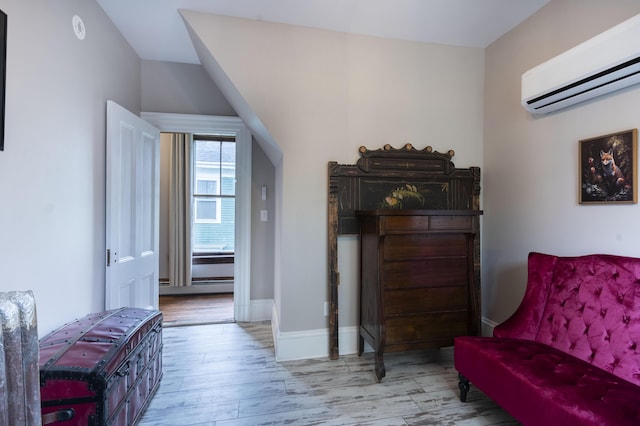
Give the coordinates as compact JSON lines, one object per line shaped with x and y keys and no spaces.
{"x":102,"y":369}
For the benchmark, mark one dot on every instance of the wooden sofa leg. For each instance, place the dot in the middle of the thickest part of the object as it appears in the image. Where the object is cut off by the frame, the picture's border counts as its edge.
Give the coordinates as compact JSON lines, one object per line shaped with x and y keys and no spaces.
{"x":463,"y":385}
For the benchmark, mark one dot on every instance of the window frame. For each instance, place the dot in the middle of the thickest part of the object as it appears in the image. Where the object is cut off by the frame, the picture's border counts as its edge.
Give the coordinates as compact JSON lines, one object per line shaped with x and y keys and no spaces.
{"x":217,"y":174}
{"x":197,"y":198}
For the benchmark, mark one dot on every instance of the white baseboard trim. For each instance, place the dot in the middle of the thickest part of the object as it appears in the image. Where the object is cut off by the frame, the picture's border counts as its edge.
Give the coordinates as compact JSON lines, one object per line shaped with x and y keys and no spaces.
{"x":166,"y":290}
{"x":307,"y":344}
{"x":295,"y":345}
{"x":488,"y":326}
{"x":261,"y":310}
{"x":275,"y":328}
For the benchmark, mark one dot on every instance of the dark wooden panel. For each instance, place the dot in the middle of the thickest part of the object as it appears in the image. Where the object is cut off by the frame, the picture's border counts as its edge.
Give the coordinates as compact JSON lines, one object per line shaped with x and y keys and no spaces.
{"x":400,"y":224}
{"x":425,"y":273}
{"x":366,"y":184}
{"x":419,"y":223}
{"x":422,"y":327}
{"x":451,"y":223}
{"x":421,"y":345}
{"x":425,"y":300}
{"x":419,"y":246}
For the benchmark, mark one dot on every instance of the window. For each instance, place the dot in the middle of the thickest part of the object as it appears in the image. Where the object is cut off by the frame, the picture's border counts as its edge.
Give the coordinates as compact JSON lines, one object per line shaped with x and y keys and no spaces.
{"x":206,"y":210}
{"x":214,"y":185}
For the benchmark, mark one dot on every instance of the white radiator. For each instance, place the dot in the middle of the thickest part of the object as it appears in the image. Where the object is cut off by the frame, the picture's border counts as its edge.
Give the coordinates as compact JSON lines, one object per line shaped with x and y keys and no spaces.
{"x":19,"y":371}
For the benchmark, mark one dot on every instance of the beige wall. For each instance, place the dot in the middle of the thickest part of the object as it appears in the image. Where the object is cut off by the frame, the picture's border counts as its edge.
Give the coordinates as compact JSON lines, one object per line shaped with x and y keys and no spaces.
{"x":262,"y":233}
{"x":52,"y":172}
{"x":530,"y":162}
{"x":321,"y":95}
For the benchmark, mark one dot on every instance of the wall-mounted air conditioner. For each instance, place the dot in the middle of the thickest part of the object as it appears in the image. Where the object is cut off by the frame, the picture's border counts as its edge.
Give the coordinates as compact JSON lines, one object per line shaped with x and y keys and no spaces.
{"x":602,"y":64}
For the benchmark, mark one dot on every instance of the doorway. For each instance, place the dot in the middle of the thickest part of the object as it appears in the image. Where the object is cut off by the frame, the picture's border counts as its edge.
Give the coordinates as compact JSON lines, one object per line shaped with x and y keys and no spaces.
{"x":209,"y":254}
{"x":232,"y":127}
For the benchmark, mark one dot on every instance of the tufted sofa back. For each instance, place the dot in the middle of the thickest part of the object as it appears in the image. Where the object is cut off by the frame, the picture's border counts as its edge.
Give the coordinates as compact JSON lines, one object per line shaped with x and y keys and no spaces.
{"x":587,"y":306}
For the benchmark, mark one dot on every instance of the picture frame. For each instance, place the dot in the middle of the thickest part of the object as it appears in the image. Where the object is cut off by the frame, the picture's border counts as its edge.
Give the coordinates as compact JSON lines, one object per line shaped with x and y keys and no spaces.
{"x":608,"y":169}
{"x":3,"y":73}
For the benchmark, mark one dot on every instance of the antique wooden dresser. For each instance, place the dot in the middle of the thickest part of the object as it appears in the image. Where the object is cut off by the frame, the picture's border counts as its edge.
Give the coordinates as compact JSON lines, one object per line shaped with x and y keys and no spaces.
{"x":418,"y":287}
{"x":418,"y":217}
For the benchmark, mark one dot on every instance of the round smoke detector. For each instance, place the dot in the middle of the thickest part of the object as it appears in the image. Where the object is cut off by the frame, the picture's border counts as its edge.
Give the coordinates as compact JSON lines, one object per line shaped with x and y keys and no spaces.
{"x":78,"y":27}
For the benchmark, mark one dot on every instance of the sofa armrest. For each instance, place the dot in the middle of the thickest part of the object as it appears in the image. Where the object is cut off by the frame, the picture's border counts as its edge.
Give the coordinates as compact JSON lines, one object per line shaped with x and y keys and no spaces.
{"x":525,"y":321}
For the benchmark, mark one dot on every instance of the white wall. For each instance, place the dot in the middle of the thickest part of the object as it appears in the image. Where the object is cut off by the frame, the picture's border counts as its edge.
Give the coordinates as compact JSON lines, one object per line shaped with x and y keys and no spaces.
{"x":181,"y":89}
{"x":530,"y":179}
{"x":321,"y":95}
{"x":52,"y":172}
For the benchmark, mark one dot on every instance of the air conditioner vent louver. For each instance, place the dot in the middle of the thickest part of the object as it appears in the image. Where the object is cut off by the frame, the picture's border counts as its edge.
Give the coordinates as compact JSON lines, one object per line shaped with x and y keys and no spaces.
{"x":608,"y":62}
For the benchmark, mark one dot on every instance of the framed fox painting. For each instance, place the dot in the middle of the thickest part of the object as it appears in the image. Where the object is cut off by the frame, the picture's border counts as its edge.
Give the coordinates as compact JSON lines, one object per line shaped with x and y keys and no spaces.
{"x":608,"y":168}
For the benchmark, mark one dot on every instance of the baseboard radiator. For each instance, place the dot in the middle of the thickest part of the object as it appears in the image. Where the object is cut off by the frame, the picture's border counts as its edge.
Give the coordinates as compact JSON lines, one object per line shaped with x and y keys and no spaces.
{"x":19,"y":371}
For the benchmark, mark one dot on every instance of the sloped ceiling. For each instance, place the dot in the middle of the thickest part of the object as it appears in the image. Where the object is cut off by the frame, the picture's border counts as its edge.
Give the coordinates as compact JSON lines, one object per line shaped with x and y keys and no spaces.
{"x":156,"y":31}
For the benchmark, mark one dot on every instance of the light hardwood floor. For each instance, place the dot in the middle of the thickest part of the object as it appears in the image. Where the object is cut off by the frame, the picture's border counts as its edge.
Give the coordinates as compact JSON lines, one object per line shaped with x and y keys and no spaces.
{"x":226,"y":374}
{"x":196,"y":309}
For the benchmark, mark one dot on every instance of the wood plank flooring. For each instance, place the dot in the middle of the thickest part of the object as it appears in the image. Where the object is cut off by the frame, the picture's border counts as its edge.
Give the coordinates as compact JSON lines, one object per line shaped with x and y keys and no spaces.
{"x":227,"y":375}
{"x":196,"y":309}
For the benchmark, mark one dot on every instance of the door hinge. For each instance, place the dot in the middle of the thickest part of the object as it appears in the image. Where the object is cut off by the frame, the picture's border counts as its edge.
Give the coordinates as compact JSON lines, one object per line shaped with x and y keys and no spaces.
{"x":108,"y":257}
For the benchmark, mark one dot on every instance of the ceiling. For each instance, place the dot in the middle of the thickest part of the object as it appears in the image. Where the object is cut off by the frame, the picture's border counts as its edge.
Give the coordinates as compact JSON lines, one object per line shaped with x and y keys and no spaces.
{"x":156,"y":31}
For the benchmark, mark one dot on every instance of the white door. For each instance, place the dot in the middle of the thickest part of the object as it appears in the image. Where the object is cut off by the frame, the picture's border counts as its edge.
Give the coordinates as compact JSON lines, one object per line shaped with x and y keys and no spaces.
{"x":132,"y":204}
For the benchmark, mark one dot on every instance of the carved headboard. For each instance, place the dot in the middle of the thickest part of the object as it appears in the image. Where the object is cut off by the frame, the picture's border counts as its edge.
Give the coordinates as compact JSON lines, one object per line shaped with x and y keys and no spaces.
{"x":391,"y":178}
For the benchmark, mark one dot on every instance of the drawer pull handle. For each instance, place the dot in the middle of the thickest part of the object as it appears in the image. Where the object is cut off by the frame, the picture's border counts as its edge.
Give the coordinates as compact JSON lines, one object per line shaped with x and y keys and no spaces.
{"x":58,"y":416}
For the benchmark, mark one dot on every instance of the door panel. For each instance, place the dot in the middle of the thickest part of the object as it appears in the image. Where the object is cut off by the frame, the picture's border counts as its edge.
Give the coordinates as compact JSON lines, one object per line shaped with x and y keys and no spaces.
{"x":132,"y":202}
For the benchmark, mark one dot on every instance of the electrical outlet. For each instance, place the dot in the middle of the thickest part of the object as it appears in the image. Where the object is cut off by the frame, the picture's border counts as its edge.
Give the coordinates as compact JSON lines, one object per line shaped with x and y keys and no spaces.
{"x":264,"y":215}
{"x":326,"y":309}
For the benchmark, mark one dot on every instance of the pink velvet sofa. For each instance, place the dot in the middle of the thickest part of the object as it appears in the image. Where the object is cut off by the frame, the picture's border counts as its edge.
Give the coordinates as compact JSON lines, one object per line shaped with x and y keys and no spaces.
{"x":570,"y":354}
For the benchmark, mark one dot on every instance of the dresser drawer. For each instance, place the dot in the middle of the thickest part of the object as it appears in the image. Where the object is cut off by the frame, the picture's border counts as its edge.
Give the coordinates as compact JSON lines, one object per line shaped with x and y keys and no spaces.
{"x":404,"y":224}
{"x":400,"y":224}
{"x":424,"y":300}
{"x":428,"y":272}
{"x":421,"y":246}
{"x":451,"y":223}
{"x":423,"y":327}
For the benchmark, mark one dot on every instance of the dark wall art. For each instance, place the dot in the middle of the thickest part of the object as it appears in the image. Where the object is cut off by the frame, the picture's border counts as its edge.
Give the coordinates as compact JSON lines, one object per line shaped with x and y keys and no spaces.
{"x":3,"y":72}
{"x":608,"y":168}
